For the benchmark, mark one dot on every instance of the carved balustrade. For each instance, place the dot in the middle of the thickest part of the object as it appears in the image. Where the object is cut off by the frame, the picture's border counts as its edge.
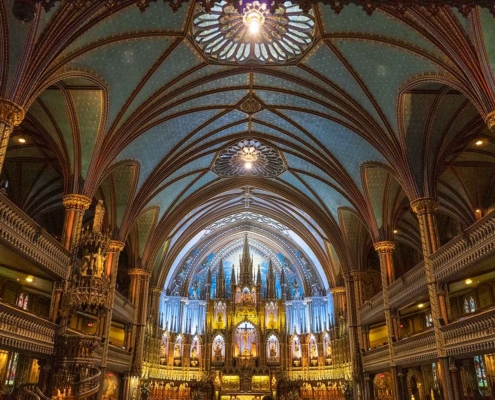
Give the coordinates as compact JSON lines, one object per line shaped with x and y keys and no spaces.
{"x":408,"y":287}
{"x":26,"y":331}
{"x":21,"y":232}
{"x":376,"y":360}
{"x":372,"y":310}
{"x":123,"y":309}
{"x":476,"y":244}
{"x":471,"y":335}
{"x":416,"y":349}
{"x":119,"y":360}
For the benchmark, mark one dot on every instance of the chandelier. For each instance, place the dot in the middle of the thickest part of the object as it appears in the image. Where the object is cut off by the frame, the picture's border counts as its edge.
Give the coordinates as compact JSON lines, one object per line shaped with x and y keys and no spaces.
{"x":25,"y":10}
{"x":248,"y":152}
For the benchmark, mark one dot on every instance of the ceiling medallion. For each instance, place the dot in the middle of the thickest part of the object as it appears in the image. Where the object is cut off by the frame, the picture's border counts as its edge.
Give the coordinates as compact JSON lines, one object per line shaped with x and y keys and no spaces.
{"x":249,"y":157}
{"x":256,"y":35}
{"x":250,"y":105}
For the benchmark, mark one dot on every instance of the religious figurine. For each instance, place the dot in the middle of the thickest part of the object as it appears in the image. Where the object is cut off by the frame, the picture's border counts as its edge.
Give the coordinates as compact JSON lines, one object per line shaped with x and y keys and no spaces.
{"x":194,"y":352}
{"x":98,"y":220}
{"x":85,"y":263}
{"x":99,"y":262}
{"x":218,"y":349}
{"x":176,"y":351}
{"x":273,"y":350}
{"x":313,"y":350}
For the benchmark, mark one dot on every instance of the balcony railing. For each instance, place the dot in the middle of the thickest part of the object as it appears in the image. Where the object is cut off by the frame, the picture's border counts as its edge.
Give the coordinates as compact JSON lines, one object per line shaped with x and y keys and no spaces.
{"x":477,"y":243}
{"x":376,"y":360}
{"x":21,"y":232}
{"x":372,"y":310}
{"x":123,"y":309}
{"x":23,"y":330}
{"x":472,"y":334}
{"x":416,"y":349}
{"x":119,"y":360}
{"x":408,"y":287}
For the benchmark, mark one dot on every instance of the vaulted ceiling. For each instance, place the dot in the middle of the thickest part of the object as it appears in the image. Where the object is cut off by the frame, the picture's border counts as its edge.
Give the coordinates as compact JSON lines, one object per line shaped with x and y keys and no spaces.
{"x":378,"y":111}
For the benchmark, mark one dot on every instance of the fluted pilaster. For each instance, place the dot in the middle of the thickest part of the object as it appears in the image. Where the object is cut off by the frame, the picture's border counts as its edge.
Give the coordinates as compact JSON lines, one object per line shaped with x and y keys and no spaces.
{"x":75,"y":205}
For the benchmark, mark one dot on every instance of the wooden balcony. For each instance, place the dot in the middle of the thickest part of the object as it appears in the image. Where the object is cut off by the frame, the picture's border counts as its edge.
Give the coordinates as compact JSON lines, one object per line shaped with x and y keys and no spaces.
{"x":475,"y":245}
{"x":372,"y":311}
{"x":473,"y":334}
{"x":123,"y":309}
{"x":119,"y":360}
{"x":376,"y":360}
{"x":25,"y":331}
{"x":27,"y":238}
{"x":417,"y":349}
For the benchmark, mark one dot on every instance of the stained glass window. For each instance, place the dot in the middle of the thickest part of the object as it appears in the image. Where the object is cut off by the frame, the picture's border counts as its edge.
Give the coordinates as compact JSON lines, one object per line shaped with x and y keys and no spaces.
{"x":480,"y":371}
{"x":469,"y":305}
{"x":428,"y":320}
{"x":11,"y":369}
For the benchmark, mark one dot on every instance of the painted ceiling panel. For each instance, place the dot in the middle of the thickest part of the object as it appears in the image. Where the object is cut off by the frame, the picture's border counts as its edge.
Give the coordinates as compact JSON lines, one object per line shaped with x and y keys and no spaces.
{"x":56,"y":104}
{"x":488,"y":36}
{"x":273,"y":119}
{"x":477,"y":181}
{"x":330,"y":197}
{"x":39,"y":114}
{"x":113,"y":63}
{"x":327,"y":64}
{"x":292,"y":180}
{"x":180,"y":60}
{"x":220,"y":100}
{"x":167,"y":196}
{"x":130,"y":19}
{"x":295,"y":162}
{"x":153,"y":145}
{"x":385,"y":70}
{"x":282,"y":99}
{"x":353,"y":19}
{"x":350,"y":149}
{"x":200,"y":183}
{"x":204,"y":134}
{"x":145,"y":224}
{"x":375,"y":179}
{"x":89,"y":107}
{"x":232,"y":82}
{"x":18,"y":31}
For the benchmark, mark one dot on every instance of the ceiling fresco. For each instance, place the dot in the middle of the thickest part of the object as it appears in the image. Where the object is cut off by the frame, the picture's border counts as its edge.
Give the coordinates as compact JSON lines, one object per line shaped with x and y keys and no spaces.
{"x":354,"y":116}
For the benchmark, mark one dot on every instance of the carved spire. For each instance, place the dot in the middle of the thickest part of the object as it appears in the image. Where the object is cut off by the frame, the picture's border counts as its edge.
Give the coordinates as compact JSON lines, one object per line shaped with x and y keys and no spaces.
{"x":270,"y":282}
{"x":258,"y":276}
{"x":220,"y":290}
{"x":246,"y":265}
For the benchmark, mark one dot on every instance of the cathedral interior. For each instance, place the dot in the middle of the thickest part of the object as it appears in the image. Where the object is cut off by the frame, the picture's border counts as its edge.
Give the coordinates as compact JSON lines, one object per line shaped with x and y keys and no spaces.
{"x":228,"y":200}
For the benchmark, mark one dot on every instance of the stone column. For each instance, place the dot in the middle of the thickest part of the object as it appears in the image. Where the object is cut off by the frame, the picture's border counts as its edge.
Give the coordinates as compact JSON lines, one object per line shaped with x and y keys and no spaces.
{"x":355,"y":353}
{"x":112,"y":264}
{"x":385,"y":251}
{"x":11,"y":115}
{"x":425,"y":209}
{"x":75,"y":205}
{"x":140,"y":279}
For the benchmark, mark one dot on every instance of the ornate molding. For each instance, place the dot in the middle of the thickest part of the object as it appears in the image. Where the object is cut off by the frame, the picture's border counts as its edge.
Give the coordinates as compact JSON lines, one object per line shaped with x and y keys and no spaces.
{"x":26,"y":10}
{"x":384,"y":247}
{"x":490,"y":120}
{"x":116,"y":246}
{"x":76,"y":201}
{"x":337,"y":289}
{"x":424,"y":205}
{"x":139,"y":272}
{"x":11,"y":113}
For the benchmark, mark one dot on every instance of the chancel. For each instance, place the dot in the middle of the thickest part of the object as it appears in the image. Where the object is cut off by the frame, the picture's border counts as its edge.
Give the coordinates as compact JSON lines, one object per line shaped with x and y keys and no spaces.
{"x":247,"y":200}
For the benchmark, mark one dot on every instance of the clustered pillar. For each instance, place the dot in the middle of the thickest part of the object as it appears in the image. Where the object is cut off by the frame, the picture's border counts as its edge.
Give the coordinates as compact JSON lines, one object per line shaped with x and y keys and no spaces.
{"x":425,"y":209}
{"x":385,"y":251}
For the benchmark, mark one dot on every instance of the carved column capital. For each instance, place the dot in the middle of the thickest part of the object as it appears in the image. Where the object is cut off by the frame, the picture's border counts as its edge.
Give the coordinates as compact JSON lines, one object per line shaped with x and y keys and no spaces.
{"x":358,"y":274}
{"x":156,"y":290}
{"x":424,"y":205}
{"x":338,"y":289}
{"x":116,"y":246}
{"x":11,"y":113}
{"x":384,"y":246}
{"x":490,"y":120}
{"x":76,"y":201}
{"x":139,"y":273}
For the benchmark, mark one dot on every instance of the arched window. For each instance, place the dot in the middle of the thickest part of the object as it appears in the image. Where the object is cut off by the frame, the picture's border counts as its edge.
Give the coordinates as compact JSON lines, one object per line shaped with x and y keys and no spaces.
{"x":22,"y":300}
{"x":469,"y":304}
{"x":480,"y":372}
{"x":428,"y":320}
